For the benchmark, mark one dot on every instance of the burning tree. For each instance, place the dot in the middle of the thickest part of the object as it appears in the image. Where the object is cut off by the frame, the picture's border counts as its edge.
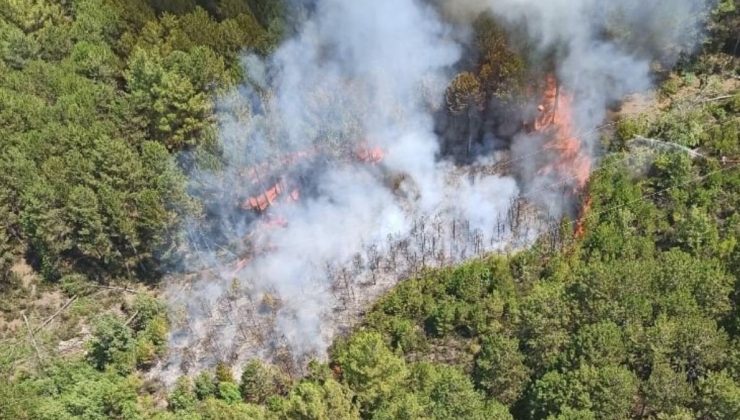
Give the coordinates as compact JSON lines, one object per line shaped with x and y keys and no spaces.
{"x":568,"y":160}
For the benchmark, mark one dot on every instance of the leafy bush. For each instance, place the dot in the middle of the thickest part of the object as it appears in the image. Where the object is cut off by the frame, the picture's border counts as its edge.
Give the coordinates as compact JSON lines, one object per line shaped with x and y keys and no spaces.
{"x":112,"y":344}
{"x":260,"y":381}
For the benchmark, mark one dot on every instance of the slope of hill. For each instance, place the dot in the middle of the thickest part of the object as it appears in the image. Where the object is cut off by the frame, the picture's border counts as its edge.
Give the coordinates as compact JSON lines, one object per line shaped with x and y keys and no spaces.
{"x":105,"y":104}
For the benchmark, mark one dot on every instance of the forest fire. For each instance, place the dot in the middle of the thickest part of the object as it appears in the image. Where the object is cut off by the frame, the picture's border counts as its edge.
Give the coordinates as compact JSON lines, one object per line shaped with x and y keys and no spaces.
{"x":371,"y":155}
{"x":261,"y":202}
{"x":270,"y":191}
{"x":272,"y":187}
{"x":570,"y":164}
{"x":323,"y":222}
{"x":274,"y":183}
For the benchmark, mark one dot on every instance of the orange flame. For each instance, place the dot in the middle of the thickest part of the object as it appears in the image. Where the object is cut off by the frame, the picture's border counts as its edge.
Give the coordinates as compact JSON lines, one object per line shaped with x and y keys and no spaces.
{"x":367,"y":154}
{"x":255,"y":175}
{"x":571,"y":163}
{"x":263,"y":200}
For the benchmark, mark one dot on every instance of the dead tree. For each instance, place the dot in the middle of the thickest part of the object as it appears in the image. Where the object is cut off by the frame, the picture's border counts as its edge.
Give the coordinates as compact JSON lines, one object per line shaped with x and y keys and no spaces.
{"x":405,"y":251}
{"x":392,"y":249}
{"x":422,"y":241}
{"x":357,"y":264}
{"x":453,"y":243}
{"x":373,"y":258}
{"x":33,"y":339}
{"x":478,"y":241}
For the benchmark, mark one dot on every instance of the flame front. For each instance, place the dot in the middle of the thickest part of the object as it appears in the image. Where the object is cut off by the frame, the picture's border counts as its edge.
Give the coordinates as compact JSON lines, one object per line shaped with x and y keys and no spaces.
{"x":571,"y":164}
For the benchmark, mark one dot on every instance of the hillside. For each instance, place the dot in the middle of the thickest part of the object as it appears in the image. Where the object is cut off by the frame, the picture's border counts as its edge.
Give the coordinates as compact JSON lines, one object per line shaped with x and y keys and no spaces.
{"x":122,"y":181}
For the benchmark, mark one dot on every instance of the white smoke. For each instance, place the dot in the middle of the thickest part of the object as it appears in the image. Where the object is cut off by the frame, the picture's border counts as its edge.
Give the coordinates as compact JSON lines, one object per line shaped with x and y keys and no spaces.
{"x":356,"y":74}
{"x":603,"y":49}
{"x":601,"y":52}
{"x":372,"y":73}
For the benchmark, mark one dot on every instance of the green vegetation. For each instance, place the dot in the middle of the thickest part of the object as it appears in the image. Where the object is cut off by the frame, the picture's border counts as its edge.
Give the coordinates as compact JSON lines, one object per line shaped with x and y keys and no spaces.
{"x":638,"y":318}
{"x":97,"y":100}
{"x":93,"y":96}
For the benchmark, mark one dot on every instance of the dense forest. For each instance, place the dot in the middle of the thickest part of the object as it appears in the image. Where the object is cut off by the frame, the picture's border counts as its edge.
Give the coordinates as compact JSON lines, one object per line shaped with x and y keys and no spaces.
{"x":98,"y":97}
{"x":106,"y":104}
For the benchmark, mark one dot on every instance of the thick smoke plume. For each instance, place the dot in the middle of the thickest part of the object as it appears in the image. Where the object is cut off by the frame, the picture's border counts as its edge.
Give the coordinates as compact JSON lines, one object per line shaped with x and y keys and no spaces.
{"x":599,"y":50}
{"x":358,"y":77}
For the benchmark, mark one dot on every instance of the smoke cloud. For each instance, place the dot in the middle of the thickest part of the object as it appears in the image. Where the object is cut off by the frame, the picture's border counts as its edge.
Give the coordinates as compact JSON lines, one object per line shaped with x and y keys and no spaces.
{"x":600,"y":52}
{"x":359,"y":75}
{"x":356,"y":75}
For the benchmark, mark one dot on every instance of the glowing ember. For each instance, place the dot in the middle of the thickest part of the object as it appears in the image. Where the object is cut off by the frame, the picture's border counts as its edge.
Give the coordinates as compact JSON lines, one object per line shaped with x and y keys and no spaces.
{"x":264,"y":174}
{"x":372,"y":155}
{"x":264,"y":200}
{"x":258,"y":175}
